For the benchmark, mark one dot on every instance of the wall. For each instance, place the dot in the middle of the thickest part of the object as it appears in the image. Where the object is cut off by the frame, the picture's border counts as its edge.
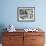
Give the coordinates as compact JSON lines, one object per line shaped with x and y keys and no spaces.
{"x":9,"y":13}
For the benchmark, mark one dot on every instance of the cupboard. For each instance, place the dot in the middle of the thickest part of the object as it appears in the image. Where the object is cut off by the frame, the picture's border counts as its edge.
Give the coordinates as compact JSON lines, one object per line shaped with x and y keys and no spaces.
{"x":23,"y":39}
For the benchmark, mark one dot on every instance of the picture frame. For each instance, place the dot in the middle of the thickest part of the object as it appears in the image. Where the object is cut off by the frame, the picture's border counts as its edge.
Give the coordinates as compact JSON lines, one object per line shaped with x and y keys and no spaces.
{"x":26,"y":14}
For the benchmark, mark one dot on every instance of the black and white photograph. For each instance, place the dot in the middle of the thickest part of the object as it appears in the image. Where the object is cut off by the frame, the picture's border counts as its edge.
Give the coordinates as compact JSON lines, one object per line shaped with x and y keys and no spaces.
{"x":26,"y":14}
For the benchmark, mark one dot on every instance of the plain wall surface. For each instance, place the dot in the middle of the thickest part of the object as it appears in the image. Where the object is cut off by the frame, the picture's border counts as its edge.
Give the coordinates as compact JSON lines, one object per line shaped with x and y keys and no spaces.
{"x":8,"y":13}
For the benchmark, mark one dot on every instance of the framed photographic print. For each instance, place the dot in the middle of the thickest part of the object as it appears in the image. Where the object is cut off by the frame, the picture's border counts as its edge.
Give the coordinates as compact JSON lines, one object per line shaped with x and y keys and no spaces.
{"x":26,"y":14}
